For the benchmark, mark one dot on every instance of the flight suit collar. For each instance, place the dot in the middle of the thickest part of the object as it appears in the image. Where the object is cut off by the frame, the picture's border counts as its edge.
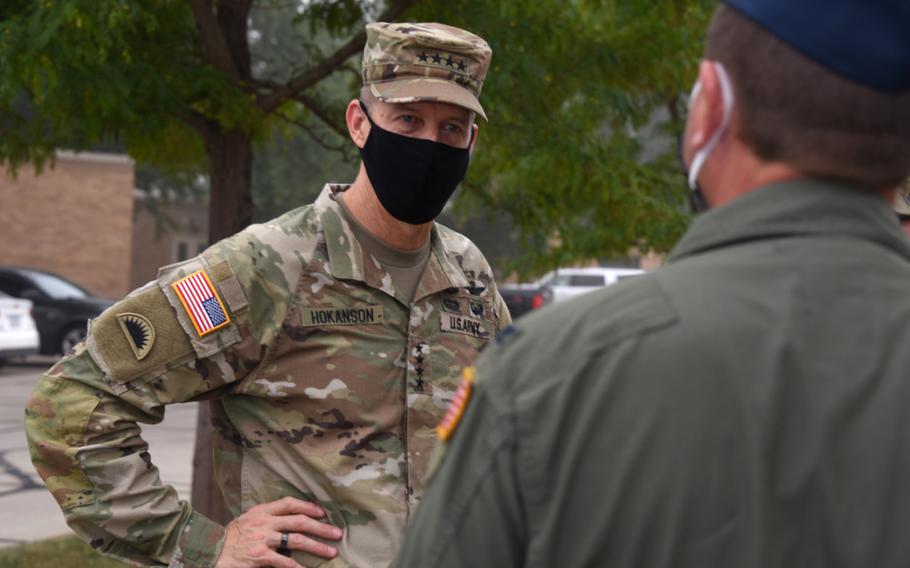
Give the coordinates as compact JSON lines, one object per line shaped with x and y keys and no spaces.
{"x":346,"y":255}
{"x":795,"y":208}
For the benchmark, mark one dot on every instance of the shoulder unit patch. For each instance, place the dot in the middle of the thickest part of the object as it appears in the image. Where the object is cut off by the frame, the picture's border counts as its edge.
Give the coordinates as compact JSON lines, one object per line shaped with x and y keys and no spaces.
{"x":139,"y":332}
{"x":457,"y":407}
{"x":201,"y":302}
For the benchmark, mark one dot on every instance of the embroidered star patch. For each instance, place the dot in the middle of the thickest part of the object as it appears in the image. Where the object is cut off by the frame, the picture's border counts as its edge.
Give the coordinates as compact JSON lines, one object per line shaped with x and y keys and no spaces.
{"x":457,"y":407}
{"x":201,"y":302}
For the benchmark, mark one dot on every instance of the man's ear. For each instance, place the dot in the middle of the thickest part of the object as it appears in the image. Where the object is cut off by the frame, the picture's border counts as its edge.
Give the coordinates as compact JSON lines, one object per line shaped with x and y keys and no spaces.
{"x":358,"y":125}
{"x":474,"y":132}
{"x":707,"y":112}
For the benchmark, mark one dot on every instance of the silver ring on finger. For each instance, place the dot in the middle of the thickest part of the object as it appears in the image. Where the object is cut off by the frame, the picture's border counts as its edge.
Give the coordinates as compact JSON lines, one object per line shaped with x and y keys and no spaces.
{"x":283,"y":546}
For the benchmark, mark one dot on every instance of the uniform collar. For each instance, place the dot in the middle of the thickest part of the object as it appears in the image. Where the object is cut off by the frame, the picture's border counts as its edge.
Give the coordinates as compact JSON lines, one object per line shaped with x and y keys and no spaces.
{"x":796,"y":208}
{"x":346,"y":256}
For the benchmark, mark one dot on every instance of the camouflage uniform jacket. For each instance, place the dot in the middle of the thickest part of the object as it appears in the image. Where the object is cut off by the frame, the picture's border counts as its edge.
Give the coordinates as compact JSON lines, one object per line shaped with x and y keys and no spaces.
{"x":329,"y":387}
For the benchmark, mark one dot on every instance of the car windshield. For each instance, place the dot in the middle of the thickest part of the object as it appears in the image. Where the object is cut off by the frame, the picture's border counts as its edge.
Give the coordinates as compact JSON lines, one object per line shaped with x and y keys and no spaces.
{"x":546,"y":279}
{"x":56,"y":287}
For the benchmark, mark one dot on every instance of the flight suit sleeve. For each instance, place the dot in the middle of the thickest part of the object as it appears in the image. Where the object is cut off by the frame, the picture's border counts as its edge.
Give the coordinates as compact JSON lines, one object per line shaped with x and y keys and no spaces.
{"x":149,"y":350}
{"x":471,"y":514}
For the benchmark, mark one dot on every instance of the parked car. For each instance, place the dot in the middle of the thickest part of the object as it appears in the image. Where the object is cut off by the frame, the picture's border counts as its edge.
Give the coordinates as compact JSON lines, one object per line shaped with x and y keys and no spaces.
{"x":18,"y":334}
{"x":567,"y":283}
{"x":524,"y":298}
{"x":61,"y":308}
{"x":560,"y":285}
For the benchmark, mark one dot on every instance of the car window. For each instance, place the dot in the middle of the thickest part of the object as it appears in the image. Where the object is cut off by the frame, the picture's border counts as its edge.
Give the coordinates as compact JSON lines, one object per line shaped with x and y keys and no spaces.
{"x":586,"y":280}
{"x":546,"y":279}
{"x":56,"y":287}
{"x":559,"y":280}
{"x":12,"y":285}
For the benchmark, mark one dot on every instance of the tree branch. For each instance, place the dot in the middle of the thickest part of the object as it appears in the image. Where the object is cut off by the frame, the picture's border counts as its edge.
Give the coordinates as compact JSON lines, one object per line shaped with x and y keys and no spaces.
{"x":327,"y":66}
{"x":314,"y":107}
{"x":309,"y":131}
{"x":213,"y":41}
{"x":199,"y":123}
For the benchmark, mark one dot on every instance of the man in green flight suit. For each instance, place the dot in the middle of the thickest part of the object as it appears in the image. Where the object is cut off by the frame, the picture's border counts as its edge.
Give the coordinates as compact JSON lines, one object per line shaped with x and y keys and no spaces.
{"x":747,"y":404}
{"x":333,"y":339}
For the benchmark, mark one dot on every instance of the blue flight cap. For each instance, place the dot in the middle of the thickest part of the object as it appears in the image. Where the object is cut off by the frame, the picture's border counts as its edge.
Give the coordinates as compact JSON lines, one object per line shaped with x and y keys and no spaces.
{"x":865,"y":41}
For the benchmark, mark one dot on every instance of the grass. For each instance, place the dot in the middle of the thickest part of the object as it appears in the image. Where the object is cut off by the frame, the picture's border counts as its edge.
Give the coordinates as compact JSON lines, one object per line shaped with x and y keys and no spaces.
{"x":66,"y":552}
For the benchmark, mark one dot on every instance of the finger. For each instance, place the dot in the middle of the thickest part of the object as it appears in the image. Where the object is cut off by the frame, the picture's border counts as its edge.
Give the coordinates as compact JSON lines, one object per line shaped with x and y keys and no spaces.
{"x":292,"y":506}
{"x":306,"y":525}
{"x":303,"y":543}
{"x":297,"y":541}
{"x":276,"y":560}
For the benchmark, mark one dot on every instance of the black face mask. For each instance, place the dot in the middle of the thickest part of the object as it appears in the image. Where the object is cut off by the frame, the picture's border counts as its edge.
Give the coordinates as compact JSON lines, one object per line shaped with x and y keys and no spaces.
{"x":413,"y":178}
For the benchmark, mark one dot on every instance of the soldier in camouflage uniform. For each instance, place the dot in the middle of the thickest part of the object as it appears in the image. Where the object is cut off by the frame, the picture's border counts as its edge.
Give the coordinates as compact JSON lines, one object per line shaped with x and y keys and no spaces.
{"x":332,"y":359}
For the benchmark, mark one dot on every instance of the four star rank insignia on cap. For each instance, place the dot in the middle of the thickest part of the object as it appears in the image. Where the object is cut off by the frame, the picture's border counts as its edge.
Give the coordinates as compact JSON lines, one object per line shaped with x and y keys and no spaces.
{"x":457,"y":407}
{"x":201,"y":302}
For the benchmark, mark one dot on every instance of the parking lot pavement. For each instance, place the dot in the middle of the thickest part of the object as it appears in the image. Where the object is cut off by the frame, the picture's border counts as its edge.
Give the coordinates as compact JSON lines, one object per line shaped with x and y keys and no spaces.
{"x":28,"y":510}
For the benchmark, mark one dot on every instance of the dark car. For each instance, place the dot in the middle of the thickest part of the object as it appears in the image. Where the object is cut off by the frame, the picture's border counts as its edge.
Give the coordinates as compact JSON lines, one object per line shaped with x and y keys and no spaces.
{"x":524,"y":298}
{"x":60,"y":307}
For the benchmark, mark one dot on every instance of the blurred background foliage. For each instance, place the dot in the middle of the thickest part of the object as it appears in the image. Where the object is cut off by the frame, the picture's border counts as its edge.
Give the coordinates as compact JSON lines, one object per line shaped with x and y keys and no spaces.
{"x":578,"y":161}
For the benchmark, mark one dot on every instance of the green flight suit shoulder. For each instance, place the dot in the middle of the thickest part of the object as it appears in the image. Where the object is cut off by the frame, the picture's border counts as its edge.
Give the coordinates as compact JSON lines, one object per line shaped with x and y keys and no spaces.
{"x":474,"y":512}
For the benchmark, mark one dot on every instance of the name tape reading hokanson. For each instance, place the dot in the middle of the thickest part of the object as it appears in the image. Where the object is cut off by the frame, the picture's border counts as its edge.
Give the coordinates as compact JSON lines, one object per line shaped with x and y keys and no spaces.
{"x":201,"y":302}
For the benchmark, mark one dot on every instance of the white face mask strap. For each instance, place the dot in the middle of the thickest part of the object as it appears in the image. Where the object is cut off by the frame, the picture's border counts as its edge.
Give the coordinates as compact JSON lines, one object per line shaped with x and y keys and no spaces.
{"x":726,"y":89}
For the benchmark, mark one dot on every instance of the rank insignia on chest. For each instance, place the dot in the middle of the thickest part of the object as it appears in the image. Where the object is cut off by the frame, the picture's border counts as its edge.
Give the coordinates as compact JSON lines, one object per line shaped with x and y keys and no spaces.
{"x":201,"y":301}
{"x":457,"y":407}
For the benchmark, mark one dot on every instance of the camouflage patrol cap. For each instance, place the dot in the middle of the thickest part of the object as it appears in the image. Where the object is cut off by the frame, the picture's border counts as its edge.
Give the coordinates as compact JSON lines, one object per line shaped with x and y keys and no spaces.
{"x":902,"y":199}
{"x":405,"y":62}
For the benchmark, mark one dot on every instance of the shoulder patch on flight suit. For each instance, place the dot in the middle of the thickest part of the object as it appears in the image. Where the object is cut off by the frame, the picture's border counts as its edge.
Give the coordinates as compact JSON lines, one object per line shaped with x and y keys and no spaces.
{"x":457,"y":407}
{"x":506,"y":335}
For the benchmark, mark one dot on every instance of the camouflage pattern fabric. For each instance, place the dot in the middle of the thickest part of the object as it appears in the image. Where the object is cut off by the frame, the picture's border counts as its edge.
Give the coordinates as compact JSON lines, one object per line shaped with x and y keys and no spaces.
{"x":329,"y":387}
{"x":408,"y":62}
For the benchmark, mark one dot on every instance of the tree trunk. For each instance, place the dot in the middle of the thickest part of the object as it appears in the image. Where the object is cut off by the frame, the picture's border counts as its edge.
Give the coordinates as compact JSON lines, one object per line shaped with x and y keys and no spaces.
{"x":230,"y":210}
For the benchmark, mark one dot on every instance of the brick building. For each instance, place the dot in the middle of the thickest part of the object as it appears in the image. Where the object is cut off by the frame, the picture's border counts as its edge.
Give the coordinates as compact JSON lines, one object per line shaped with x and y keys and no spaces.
{"x":154,"y":247}
{"x":74,"y":219}
{"x":83,"y":219}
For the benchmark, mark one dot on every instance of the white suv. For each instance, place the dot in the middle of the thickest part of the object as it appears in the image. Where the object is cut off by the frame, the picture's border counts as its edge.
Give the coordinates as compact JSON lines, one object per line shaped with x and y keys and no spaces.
{"x":567,"y":283}
{"x":18,"y":334}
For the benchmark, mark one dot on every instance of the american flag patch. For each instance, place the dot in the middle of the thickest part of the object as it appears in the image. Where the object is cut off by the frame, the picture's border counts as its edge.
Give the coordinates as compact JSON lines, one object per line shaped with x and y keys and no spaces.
{"x":201,"y":302}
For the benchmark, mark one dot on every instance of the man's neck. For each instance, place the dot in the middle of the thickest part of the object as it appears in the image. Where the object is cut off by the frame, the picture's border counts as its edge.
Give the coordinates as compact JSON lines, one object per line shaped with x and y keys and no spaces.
{"x":363,"y":204}
{"x":737,"y":172}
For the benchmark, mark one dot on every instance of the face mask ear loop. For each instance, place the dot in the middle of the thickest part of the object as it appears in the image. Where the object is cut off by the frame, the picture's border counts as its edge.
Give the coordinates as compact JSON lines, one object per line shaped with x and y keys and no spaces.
{"x":726,"y":89}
